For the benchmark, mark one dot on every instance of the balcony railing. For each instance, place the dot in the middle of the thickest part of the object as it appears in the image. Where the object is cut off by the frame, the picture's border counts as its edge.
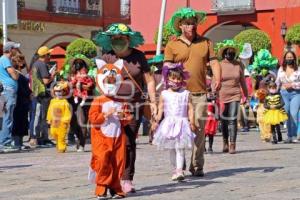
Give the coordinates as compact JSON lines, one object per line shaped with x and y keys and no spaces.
{"x":231,"y":7}
{"x":72,"y":7}
{"x":125,"y":8}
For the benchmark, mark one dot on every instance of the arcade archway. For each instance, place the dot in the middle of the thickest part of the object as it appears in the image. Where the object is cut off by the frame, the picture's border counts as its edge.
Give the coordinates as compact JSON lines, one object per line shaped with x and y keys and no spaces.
{"x":226,"y":30}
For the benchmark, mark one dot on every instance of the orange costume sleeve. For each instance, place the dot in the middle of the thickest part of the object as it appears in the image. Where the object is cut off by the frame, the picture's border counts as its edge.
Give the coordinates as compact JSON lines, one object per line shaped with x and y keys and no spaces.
{"x":96,"y":116}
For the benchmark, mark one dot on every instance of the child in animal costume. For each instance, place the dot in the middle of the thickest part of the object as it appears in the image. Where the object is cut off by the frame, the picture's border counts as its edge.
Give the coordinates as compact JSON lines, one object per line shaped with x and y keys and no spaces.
{"x":265,"y":129}
{"x":274,"y":113}
{"x":107,"y":117}
{"x":59,"y":115}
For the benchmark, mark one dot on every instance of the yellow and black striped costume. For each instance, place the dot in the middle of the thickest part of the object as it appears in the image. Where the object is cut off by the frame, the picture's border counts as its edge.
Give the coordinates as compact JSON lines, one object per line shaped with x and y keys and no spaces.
{"x":274,"y":113}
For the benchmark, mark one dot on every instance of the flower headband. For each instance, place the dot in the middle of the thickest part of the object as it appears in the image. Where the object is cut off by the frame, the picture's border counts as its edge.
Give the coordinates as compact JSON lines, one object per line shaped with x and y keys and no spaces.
{"x":176,"y":66}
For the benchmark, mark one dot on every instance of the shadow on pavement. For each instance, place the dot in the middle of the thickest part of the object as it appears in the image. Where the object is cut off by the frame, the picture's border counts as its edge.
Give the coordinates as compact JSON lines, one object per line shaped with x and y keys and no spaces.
{"x":259,"y":150}
{"x":254,"y":150}
{"x":171,"y":187}
{"x":192,"y":182}
{"x":232,"y":172}
{"x":14,"y":167}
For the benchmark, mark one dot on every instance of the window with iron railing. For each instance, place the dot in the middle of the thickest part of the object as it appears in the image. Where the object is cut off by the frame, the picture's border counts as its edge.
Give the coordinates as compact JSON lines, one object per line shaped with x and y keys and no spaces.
{"x":32,"y":4}
{"x":125,"y":8}
{"x":93,"y":7}
{"x":21,"y":4}
{"x":233,"y":6}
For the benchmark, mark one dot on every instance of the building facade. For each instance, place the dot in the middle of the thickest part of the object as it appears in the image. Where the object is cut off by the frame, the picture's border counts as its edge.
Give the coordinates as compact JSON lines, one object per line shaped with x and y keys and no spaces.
{"x":225,"y":18}
{"x":58,"y":22}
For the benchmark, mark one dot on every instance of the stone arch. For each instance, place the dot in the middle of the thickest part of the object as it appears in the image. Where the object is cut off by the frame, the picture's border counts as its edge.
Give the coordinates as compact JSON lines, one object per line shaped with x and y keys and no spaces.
{"x":63,"y":38}
{"x":228,"y":28}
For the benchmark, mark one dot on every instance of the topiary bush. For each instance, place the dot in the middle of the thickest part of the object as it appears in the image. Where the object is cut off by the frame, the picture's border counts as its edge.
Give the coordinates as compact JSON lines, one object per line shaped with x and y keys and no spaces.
{"x":293,"y":34}
{"x":81,"y":46}
{"x":167,"y":33}
{"x":257,"y":38}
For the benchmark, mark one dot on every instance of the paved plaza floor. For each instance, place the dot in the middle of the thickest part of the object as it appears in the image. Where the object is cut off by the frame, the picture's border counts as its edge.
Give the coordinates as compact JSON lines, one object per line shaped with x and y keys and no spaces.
{"x":258,"y":171}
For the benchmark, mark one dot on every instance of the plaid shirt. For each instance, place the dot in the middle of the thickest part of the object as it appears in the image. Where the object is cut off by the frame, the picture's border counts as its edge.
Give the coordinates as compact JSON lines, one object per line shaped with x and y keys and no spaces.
{"x":294,"y":78}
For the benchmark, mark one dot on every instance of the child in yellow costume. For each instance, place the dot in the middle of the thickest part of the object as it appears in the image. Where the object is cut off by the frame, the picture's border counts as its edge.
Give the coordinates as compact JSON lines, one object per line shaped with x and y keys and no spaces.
{"x":274,"y":113}
{"x":59,"y":116}
{"x":264,"y":128}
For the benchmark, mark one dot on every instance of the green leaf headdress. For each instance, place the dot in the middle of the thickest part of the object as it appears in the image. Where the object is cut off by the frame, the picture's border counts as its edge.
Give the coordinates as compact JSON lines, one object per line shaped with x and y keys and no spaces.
{"x":185,"y":13}
{"x":155,"y":61}
{"x":103,"y":39}
{"x":263,"y":63}
{"x":225,"y":44}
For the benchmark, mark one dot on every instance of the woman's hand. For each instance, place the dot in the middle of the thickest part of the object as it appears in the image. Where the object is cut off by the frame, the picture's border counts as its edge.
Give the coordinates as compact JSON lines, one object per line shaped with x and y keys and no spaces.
{"x":154,"y":109}
{"x":154,"y":125}
{"x":287,"y":85}
{"x":193,"y":127}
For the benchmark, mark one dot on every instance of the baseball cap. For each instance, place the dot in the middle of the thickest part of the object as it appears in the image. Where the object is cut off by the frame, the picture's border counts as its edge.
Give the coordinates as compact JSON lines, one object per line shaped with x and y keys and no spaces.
{"x":11,"y":45}
{"x":44,"y":51}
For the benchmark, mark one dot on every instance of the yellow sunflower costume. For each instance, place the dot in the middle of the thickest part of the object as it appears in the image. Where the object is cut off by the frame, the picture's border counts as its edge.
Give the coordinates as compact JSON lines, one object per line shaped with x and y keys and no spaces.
{"x":274,"y":113}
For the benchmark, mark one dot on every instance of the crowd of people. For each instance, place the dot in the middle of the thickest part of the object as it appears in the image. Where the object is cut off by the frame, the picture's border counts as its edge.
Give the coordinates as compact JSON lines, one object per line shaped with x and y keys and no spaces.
{"x":190,"y":91}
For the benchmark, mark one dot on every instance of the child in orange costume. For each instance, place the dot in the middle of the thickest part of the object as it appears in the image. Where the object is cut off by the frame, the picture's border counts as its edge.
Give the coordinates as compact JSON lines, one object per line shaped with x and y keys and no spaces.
{"x":59,"y":115}
{"x":107,"y":117}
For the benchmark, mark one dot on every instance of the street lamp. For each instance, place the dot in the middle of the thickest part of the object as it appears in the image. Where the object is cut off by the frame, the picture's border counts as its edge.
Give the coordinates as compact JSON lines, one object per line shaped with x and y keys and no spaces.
{"x":283,"y":29}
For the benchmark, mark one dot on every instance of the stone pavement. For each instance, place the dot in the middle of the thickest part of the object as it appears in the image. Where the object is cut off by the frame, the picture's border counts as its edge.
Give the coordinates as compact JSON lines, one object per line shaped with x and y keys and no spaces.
{"x":258,"y":171}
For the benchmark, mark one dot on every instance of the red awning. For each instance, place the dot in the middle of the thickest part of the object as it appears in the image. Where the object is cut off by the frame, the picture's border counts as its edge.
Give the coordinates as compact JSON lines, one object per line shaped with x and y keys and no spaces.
{"x":58,"y":51}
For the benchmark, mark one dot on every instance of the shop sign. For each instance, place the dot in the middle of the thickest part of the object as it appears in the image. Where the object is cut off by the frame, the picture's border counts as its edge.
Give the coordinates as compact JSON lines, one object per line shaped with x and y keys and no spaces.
{"x":32,"y":26}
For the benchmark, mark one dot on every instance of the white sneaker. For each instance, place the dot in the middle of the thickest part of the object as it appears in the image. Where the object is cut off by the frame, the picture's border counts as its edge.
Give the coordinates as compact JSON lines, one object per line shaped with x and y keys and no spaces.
{"x":295,"y":140}
{"x":174,"y":177}
{"x":180,"y":175}
{"x":80,"y":149}
{"x":76,"y":100}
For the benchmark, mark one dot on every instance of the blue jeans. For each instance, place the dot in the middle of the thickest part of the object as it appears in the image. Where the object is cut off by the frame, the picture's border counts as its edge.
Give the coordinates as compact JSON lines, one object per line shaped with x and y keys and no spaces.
{"x":33,"y":118}
{"x":10,"y":96}
{"x":291,"y":100}
{"x":298,"y":130}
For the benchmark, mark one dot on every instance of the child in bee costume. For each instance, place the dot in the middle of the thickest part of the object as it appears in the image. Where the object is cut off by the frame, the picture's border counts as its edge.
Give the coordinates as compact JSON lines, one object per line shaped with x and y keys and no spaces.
{"x":59,"y":115}
{"x":264,"y":128}
{"x":274,"y":113}
{"x":108,"y":116}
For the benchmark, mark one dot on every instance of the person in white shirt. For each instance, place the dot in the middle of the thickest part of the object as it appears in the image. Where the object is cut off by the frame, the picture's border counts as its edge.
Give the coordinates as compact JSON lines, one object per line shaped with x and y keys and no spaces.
{"x":288,"y":81}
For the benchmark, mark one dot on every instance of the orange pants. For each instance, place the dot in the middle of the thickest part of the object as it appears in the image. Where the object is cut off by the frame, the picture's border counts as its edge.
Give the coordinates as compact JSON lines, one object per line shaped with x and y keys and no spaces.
{"x":108,"y":161}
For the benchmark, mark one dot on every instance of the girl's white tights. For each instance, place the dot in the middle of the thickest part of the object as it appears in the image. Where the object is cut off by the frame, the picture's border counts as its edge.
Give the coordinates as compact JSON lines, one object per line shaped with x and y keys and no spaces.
{"x":177,"y":158}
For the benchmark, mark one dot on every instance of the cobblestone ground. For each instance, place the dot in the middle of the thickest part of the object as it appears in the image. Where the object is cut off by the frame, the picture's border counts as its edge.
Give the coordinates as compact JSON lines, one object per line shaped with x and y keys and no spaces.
{"x":258,"y":171}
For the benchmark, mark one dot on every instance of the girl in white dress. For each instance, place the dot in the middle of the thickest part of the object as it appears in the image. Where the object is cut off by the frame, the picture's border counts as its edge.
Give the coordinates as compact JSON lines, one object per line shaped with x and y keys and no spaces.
{"x":175,"y":131}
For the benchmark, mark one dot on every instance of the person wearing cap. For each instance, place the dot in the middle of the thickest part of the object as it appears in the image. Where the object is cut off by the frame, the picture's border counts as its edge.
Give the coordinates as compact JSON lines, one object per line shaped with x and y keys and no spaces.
{"x":233,"y":81}
{"x":119,"y":41}
{"x":41,"y":81}
{"x":9,"y":78}
{"x":194,"y":51}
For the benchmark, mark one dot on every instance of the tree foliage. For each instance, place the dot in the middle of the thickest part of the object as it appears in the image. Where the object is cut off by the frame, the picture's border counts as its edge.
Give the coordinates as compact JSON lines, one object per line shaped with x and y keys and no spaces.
{"x":257,"y":38}
{"x":81,"y":46}
{"x":167,"y":33}
{"x":293,"y":34}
